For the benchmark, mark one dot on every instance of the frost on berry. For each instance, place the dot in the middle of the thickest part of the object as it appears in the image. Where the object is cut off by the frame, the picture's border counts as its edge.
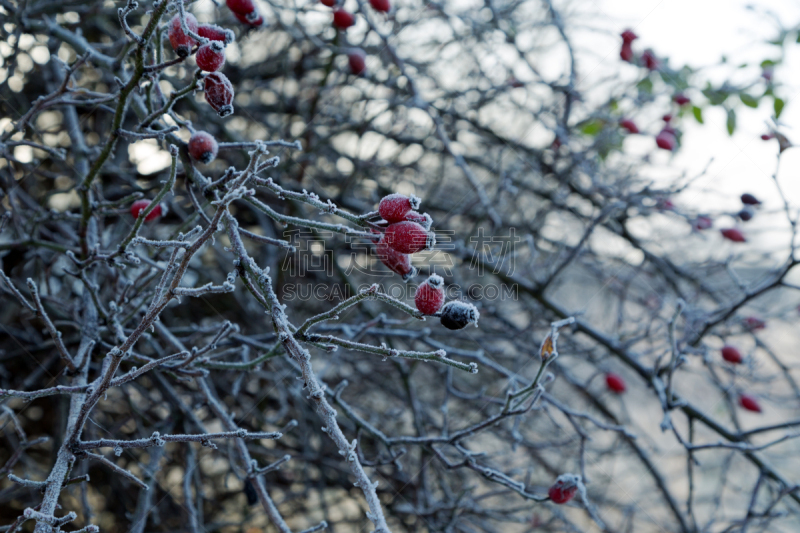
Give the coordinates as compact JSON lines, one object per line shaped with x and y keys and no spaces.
{"x":430,"y":295}
{"x":182,"y":43}
{"x":203,"y":147}
{"x":357,"y":60}
{"x":342,"y":19}
{"x":241,"y":7}
{"x":397,"y":262}
{"x":253,"y":19}
{"x":394,"y":207}
{"x":615,"y":383}
{"x":211,"y":56}
{"x":564,"y":488}
{"x":423,"y":219}
{"x":140,"y":205}
{"x":216,"y":33}
{"x":731,"y":354}
{"x":219,"y":93}
{"x":458,"y":315}
{"x":409,"y":237}
{"x":380,"y":5}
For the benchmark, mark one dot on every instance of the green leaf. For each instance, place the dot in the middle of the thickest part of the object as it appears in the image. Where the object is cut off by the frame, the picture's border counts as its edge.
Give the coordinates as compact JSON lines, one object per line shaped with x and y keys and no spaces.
{"x":748,"y":100}
{"x":778,"y":105}
{"x":592,"y":126}
{"x":716,"y":97}
{"x":698,"y":114}
{"x":645,"y":85}
{"x":731,"y":122}
{"x":768,"y":63}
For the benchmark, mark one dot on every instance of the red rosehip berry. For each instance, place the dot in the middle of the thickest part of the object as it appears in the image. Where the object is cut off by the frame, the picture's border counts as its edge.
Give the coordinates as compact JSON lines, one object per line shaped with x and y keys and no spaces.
{"x":140,"y":205}
{"x":629,"y":125}
{"x":564,"y":489}
{"x":242,"y":7}
{"x":397,"y":262}
{"x":745,"y":214}
{"x":767,"y":136}
{"x":358,"y":62}
{"x":733,"y":234}
{"x":666,"y":140}
{"x":394,"y":207}
{"x":458,"y":315}
{"x":182,"y":43}
{"x":216,"y":33}
{"x":219,"y":93}
{"x":681,"y":99}
{"x":342,"y":19}
{"x":211,"y":56}
{"x":203,"y":147}
{"x":650,"y":60}
{"x":749,"y":199}
{"x":626,"y":52}
{"x":754,"y":323}
{"x":408,"y":237}
{"x":732,"y":355}
{"x":329,"y":3}
{"x":380,"y":5}
{"x":749,"y":402}
{"x":253,"y":19}
{"x":703,"y":222}
{"x":628,"y":36}
{"x":423,"y":219}
{"x":429,"y":297}
{"x":667,"y":118}
{"x":615,"y":383}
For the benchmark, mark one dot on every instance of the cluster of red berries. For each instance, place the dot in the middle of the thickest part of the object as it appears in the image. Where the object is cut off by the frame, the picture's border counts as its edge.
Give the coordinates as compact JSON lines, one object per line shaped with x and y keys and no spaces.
{"x":429,"y":300}
{"x":342,"y":20}
{"x":648,"y":58}
{"x":245,"y":12}
{"x":735,"y":234}
{"x":667,"y":138}
{"x":732,"y":355}
{"x":745,"y":214}
{"x":210,"y":57}
{"x":407,"y":232}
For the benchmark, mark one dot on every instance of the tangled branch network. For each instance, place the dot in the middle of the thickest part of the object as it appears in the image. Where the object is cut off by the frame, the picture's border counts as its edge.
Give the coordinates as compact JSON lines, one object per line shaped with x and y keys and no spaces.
{"x":298,"y":266}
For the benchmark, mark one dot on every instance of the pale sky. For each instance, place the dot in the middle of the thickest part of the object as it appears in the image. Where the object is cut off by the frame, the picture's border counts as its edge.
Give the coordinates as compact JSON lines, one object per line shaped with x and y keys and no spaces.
{"x":699,"y":33}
